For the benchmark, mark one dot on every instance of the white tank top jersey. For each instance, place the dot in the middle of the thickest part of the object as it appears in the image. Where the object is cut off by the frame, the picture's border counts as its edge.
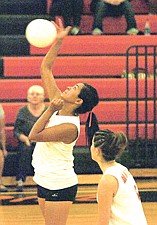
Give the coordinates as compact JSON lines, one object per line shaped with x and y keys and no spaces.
{"x":53,"y":161}
{"x":126,"y":207}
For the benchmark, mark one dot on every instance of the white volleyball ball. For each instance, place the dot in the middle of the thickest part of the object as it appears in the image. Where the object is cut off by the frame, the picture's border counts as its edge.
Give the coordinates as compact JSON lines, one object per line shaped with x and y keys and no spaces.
{"x":41,"y":33}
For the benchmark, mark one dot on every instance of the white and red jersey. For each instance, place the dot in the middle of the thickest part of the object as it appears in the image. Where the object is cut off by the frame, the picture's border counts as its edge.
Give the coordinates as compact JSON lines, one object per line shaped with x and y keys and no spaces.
{"x":126,"y":207}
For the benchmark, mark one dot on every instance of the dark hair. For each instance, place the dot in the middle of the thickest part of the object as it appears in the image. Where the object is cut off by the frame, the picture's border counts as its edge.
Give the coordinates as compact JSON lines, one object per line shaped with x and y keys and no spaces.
{"x":111,"y":144}
{"x":90,"y":99}
{"x":91,"y":127}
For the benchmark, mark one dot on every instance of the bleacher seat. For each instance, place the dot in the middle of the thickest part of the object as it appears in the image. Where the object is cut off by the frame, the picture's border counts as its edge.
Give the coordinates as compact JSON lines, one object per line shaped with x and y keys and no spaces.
{"x":23,"y":7}
{"x":106,"y":112}
{"x":11,"y":141}
{"x":65,"y":66}
{"x":108,"y":89}
{"x":16,"y":24}
{"x":15,"y":16}
{"x":71,"y":66}
{"x":98,"y":45}
{"x":17,"y":45}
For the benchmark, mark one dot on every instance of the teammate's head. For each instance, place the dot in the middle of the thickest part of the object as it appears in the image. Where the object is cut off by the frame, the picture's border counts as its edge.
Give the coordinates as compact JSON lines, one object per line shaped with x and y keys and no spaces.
{"x":109,"y":143}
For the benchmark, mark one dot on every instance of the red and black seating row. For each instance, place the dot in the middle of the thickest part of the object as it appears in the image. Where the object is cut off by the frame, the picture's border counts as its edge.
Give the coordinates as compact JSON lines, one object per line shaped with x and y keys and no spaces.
{"x":107,"y":112}
{"x":16,"y":24}
{"x":108,"y":89}
{"x":97,"y":58}
{"x":98,"y":45}
{"x":11,"y":141}
{"x":17,"y":45}
{"x":71,"y":66}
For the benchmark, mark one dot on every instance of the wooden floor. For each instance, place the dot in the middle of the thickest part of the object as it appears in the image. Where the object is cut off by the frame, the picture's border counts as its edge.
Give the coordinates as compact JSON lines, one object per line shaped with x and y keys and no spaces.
{"x":80,"y":214}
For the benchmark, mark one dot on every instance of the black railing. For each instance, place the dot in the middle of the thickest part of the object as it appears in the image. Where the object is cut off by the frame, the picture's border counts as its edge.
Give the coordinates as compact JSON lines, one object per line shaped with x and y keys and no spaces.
{"x":142,"y":58}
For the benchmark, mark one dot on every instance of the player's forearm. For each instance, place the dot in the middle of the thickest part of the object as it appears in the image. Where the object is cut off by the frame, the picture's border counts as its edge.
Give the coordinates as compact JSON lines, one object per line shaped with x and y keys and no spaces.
{"x":50,"y":57}
{"x":46,"y":71}
{"x":40,"y":125}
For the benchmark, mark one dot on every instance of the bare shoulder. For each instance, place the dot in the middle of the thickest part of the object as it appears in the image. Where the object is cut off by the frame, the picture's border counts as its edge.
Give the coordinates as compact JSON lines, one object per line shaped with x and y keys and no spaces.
{"x":108,"y":180}
{"x":108,"y":183}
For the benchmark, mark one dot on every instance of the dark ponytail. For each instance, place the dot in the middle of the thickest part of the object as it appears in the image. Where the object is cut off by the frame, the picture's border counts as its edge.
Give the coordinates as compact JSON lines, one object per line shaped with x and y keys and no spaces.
{"x":90,"y":99}
{"x":91,"y":127}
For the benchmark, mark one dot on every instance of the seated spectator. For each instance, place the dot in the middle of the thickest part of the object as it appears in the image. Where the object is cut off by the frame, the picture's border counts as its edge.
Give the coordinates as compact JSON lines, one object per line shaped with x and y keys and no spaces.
{"x":3,"y":151}
{"x":70,"y":10}
{"x":114,"y":8}
{"x":26,"y":118}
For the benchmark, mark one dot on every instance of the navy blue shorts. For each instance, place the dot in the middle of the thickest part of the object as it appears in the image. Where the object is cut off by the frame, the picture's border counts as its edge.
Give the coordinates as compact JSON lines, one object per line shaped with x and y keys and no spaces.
{"x":66,"y":194}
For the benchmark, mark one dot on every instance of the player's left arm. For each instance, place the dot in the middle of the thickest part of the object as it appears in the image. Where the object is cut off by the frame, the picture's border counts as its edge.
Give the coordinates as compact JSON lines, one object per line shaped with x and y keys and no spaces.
{"x":107,"y":188}
{"x":66,"y":132}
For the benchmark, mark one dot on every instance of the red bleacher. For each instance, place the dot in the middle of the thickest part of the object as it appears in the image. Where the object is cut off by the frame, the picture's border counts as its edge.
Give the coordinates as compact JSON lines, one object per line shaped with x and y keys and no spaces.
{"x":96,"y":60}
{"x":106,"y":111}
{"x":66,"y":66}
{"x":77,"y":45}
{"x":107,"y":88}
{"x":121,"y":128}
{"x":73,"y":65}
{"x":82,"y":141}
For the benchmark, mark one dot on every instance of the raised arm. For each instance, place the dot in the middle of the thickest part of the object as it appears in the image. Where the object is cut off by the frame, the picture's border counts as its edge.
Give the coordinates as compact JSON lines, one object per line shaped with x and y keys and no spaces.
{"x":49,"y":82}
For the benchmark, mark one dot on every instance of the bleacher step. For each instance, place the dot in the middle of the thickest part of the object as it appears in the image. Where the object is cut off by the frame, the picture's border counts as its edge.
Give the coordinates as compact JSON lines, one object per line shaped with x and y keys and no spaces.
{"x":22,"y":7}
{"x":15,"y":45}
{"x":16,"y":24}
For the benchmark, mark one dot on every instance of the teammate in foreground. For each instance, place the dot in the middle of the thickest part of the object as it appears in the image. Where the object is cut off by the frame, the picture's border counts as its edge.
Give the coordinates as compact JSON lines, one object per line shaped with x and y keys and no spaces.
{"x":117,"y":196}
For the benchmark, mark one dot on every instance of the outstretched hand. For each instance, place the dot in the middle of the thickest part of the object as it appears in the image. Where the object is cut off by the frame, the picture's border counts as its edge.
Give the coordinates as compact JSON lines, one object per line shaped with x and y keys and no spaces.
{"x":61,"y":31}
